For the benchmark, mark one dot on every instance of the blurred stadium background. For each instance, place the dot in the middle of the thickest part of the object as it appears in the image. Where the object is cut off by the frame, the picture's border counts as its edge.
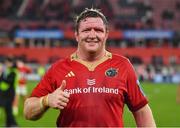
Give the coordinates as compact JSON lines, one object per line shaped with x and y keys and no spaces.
{"x":146,"y":31}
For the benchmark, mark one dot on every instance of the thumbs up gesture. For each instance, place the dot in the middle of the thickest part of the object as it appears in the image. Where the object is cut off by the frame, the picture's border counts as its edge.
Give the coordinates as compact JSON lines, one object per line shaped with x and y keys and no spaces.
{"x":59,"y":99}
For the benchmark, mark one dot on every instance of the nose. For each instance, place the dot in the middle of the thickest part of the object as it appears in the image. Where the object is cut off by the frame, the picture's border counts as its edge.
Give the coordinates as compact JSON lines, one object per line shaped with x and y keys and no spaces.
{"x":92,"y":34}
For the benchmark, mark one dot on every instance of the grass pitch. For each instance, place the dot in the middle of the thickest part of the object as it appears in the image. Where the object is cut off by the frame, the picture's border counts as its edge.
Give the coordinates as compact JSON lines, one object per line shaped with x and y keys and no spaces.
{"x":162,"y":100}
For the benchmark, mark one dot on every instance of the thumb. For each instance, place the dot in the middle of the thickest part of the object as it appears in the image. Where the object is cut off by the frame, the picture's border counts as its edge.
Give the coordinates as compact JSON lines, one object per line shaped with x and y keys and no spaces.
{"x":63,"y":85}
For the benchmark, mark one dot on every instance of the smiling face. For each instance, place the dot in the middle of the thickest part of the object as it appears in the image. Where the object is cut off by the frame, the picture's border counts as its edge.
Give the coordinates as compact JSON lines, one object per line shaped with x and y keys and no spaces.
{"x":91,"y":35}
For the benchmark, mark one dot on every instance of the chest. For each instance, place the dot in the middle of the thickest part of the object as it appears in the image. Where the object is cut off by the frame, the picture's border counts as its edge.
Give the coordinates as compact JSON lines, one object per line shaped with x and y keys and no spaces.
{"x":106,"y":82}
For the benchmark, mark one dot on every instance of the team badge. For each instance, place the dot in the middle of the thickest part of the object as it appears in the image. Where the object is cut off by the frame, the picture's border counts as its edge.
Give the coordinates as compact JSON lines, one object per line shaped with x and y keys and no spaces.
{"x":112,"y":72}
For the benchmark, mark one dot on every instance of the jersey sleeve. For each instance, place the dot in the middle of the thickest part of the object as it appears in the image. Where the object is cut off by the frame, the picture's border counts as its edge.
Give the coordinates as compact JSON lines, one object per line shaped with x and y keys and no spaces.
{"x":135,"y":98}
{"x":45,"y":86}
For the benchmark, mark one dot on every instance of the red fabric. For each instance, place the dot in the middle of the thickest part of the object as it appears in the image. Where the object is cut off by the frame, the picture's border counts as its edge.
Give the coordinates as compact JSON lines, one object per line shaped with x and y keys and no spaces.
{"x":94,"y":105}
{"x":23,"y":74}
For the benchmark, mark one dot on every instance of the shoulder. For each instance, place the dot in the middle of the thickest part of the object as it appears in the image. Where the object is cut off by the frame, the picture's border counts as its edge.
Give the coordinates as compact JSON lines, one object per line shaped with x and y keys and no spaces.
{"x":61,"y":63}
{"x":120,"y":58}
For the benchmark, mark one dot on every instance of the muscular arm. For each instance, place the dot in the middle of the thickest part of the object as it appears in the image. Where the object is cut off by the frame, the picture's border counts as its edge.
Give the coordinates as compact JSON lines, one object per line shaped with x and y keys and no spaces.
{"x":33,"y":109}
{"x":144,"y":117}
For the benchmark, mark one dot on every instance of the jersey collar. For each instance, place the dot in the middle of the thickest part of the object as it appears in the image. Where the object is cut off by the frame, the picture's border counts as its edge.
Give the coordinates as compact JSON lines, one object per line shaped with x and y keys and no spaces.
{"x":75,"y":57}
{"x":89,"y":65}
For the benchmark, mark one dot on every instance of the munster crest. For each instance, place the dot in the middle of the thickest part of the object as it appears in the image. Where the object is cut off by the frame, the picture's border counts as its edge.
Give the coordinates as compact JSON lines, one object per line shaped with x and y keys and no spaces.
{"x":111,"y":72}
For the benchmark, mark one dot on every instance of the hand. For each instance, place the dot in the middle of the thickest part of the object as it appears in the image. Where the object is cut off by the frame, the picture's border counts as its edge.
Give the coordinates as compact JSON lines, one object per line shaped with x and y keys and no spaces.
{"x":59,"y":98}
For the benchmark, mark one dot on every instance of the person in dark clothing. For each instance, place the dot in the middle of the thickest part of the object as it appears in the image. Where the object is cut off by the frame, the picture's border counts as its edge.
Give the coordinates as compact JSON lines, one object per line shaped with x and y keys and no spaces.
{"x":8,"y":79}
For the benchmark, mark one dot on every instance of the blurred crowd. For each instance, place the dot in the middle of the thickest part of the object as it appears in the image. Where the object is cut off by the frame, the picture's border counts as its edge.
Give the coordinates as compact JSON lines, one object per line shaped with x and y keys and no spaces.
{"x":122,"y":14}
{"x":155,"y":71}
{"x":13,"y":85}
{"x":158,"y":74}
{"x":60,"y":14}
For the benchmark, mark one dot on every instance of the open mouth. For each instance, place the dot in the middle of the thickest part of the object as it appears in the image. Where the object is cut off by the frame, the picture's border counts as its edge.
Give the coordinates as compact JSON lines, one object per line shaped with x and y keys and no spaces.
{"x":92,"y":43}
{"x":95,"y":40}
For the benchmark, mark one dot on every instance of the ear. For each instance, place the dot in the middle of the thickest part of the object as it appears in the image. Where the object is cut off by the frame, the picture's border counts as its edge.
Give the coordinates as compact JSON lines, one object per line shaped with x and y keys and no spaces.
{"x":76,"y":36}
{"x":107,"y":34}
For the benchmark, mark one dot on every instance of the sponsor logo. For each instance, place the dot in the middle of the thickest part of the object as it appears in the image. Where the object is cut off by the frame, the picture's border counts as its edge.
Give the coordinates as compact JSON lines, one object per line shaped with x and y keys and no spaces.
{"x":70,"y":74}
{"x":111,"y":72}
{"x":91,"y":82}
{"x":92,"y":89}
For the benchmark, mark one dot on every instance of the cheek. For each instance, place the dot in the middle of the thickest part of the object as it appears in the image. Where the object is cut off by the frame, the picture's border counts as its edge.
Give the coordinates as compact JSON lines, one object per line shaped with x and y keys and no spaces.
{"x":103,"y":38}
{"x":82,"y":37}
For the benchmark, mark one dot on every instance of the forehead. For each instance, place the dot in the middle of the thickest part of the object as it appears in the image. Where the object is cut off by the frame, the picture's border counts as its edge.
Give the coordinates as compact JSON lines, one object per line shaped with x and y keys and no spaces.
{"x":91,"y":22}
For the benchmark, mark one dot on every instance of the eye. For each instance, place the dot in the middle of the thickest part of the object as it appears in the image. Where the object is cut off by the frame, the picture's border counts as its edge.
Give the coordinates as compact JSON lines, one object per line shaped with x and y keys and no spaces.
{"x":86,"y":30}
{"x":99,"y":30}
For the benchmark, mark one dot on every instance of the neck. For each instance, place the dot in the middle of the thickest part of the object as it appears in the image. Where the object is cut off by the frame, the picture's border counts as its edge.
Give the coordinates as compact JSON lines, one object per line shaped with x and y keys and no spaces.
{"x":91,"y":57}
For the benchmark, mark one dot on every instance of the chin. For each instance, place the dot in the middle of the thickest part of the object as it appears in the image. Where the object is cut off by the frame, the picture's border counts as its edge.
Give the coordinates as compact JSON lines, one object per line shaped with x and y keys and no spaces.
{"x":92,"y":51}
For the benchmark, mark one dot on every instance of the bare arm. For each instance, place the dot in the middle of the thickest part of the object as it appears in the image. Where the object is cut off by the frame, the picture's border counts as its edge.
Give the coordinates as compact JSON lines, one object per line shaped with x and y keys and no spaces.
{"x":144,"y":117}
{"x":35,"y":107}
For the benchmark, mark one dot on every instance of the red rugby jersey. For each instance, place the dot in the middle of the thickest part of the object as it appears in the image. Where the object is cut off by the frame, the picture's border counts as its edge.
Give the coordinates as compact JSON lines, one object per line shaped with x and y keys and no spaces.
{"x":97,"y":97}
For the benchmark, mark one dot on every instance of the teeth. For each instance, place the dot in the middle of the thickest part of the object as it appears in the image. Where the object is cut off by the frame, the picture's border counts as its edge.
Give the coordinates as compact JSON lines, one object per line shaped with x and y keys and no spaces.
{"x":91,"y":41}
